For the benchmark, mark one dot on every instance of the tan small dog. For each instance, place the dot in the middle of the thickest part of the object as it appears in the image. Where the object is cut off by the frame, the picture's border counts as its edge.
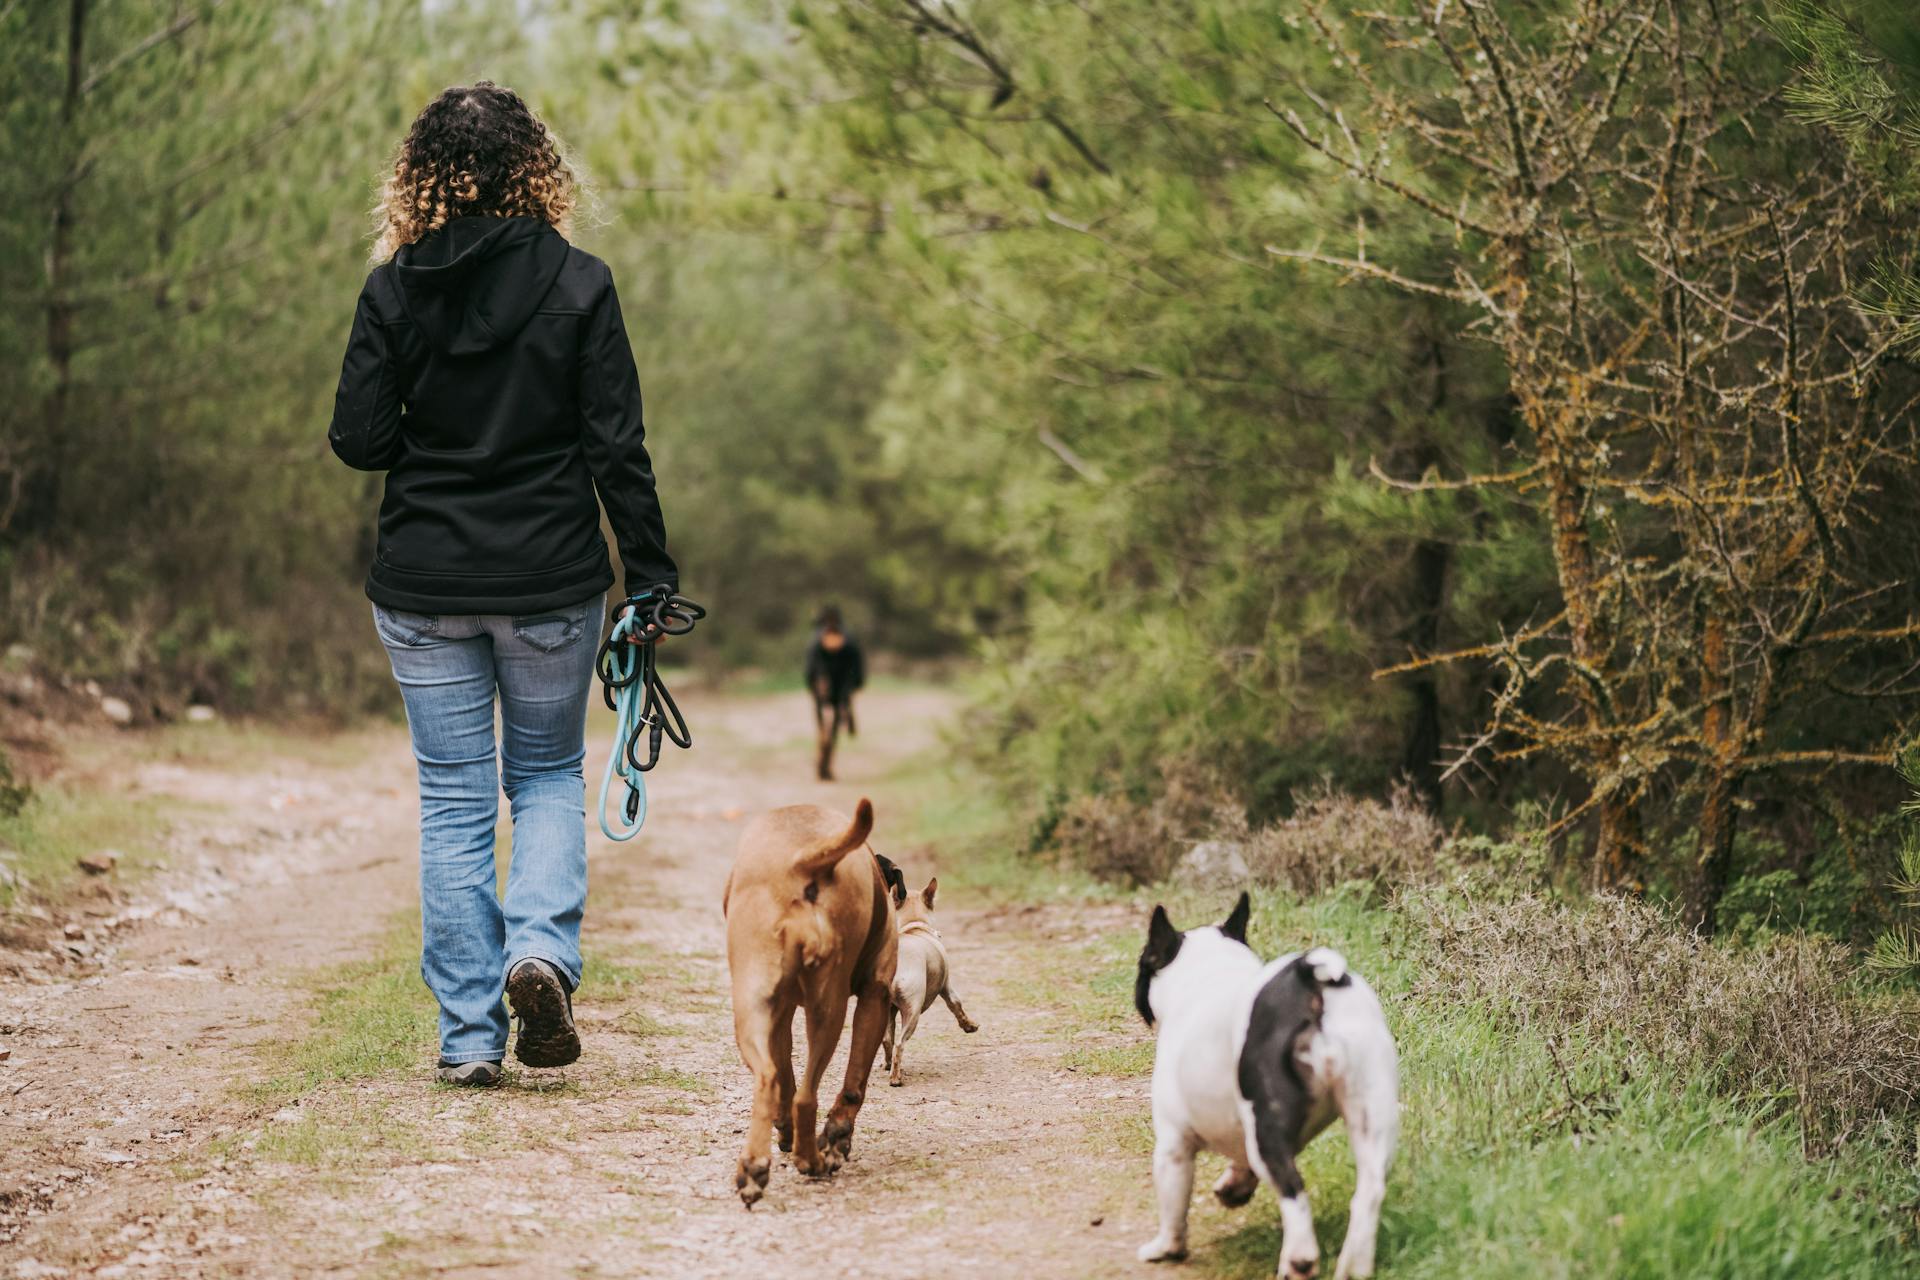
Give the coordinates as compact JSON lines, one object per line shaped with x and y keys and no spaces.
{"x":809,"y":925}
{"x":921,"y":974}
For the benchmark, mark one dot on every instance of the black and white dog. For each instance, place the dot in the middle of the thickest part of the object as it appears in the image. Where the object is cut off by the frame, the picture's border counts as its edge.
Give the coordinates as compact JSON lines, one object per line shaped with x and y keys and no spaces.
{"x":1254,"y":1060}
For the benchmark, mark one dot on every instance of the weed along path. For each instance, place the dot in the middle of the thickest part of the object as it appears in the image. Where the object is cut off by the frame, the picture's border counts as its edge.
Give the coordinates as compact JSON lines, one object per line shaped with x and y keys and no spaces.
{"x":242,"y":1085}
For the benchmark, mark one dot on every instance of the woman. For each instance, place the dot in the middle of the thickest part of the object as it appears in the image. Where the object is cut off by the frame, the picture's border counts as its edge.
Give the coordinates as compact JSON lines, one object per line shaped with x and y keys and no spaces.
{"x":488,"y":374}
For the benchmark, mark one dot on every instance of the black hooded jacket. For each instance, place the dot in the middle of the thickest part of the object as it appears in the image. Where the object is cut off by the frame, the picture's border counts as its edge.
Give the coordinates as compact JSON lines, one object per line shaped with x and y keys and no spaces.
{"x":489,"y":375}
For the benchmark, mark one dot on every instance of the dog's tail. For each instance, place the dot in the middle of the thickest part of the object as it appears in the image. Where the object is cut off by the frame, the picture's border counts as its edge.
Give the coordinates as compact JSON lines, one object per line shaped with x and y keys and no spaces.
{"x":1324,"y":967}
{"x":826,"y":855}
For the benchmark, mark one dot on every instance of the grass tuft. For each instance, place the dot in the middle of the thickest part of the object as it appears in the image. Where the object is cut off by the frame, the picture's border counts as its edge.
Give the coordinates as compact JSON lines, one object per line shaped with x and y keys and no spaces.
{"x":372,"y":1016}
{"x":59,"y":823}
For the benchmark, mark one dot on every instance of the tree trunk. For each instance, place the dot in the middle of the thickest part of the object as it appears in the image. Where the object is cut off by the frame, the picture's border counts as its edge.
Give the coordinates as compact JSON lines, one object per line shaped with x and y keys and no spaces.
{"x":1618,"y":853}
{"x":38,"y":511}
{"x":1420,"y":760}
{"x":1714,"y":863}
{"x":1718,"y":820}
{"x":1617,"y":856}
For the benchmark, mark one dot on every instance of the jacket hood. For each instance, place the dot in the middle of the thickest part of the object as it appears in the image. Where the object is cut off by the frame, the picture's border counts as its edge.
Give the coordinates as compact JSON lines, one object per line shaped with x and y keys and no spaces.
{"x":473,"y":284}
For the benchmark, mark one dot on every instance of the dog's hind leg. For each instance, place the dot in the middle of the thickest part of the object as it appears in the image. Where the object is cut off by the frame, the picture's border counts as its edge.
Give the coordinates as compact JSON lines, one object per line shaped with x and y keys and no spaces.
{"x":1373,"y":1126}
{"x":783,"y":1073}
{"x":907,"y":1025}
{"x":869,"y":1020}
{"x":967,"y":1024}
{"x":1273,"y":1157}
{"x":823,"y":1037}
{"x":886,"y":1045}
{"x":753,"y":1028}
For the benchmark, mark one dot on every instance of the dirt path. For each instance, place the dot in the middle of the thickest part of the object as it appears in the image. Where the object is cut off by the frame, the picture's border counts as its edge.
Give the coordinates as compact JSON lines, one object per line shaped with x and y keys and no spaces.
{"x":137,"y":1137}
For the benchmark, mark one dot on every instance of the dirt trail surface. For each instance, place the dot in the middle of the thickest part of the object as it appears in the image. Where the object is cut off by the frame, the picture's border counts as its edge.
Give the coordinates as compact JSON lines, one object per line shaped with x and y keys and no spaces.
{"x":137,"y":1137}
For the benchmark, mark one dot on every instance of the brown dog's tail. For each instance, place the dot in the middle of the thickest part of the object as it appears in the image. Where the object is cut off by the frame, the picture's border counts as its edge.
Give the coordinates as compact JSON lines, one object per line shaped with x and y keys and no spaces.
{"x":826,"y":855}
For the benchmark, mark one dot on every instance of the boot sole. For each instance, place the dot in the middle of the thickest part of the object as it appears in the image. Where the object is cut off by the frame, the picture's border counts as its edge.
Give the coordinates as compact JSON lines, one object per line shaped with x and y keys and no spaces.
{"x":469,"y":1078}
{"x":547,"y":1035}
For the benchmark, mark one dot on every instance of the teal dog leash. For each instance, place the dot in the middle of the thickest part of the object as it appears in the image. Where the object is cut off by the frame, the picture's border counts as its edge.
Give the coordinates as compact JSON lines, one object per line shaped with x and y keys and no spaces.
{"x":639,"y":699}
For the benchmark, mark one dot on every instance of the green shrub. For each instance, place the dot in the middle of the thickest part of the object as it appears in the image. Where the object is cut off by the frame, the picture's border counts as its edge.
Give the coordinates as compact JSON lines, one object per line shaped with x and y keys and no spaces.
{"x":14,"y":793}
{"x":1897,"y":951}
{"x":1775,"y":1027}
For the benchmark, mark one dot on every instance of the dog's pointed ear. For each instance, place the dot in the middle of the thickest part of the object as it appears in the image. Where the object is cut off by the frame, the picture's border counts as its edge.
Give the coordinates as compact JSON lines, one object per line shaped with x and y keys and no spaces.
{"x":1235,"y":925}
{"x":926,"y":894}
{"x":1160,"y":930}
{"x":1163,"y":944}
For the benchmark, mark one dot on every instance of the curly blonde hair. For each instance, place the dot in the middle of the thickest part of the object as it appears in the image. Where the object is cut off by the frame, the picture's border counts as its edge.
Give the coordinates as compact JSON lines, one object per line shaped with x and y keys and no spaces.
{"x":476,"y":150}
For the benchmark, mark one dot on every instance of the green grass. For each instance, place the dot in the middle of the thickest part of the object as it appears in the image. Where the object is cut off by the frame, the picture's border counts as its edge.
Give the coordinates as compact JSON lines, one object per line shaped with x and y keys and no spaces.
{"x":241,"y":744}
{"x":635,"y":969}
{"x":1111,"y":1059}
{"x":345,"y":1135}
{"x":640,"y":1025}
{"x":1519,"y":1156}
{"x":69,"y":816}
{"x":61,"y":822}
{"x":371,"y":1016}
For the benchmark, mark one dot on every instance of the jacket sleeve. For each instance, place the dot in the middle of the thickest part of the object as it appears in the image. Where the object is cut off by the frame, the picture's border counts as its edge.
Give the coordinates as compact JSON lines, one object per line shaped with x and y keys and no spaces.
{"x":366,"y":408}
{"x":614,"y":437}
{"x":859,"y":663}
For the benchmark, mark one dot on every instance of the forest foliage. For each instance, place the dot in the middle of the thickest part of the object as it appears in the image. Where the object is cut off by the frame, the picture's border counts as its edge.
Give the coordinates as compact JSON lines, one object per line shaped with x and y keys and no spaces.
{"x":1513,"y":400}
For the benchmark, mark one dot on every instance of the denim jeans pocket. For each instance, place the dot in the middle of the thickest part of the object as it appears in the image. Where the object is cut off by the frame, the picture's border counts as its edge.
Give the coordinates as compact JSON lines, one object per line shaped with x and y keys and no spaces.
{"x":398,"y":626}
{"x":552,"y":632}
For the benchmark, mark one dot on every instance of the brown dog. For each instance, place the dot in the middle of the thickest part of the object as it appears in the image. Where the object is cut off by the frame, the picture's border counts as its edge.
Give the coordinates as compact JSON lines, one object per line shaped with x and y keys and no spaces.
{"x":809,"y":924}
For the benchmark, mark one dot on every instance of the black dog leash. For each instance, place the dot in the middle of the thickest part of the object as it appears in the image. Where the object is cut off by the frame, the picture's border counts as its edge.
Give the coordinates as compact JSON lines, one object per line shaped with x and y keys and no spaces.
{"x":630,"y":675}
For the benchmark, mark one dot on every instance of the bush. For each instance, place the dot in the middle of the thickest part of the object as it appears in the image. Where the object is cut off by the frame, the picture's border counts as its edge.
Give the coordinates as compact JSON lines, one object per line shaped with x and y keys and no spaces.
{"x":1117,"y":838}
{"x":1776,"y":1026}
{"x":1330,"y":839}
{"x":1333,"y":838}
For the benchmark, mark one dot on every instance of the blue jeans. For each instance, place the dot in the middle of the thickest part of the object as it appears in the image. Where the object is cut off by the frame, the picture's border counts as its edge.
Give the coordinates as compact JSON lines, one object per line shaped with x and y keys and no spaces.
{"x":448,"y":667}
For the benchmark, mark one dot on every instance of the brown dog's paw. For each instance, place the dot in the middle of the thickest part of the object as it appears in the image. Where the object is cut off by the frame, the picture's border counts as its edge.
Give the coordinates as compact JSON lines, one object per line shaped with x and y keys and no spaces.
{"x":817,"y":1167}
{"x":750,"y":1180}
{"x":969,"y":1026}
{"x":836,"y":1142}
{"x":783,"y":1134}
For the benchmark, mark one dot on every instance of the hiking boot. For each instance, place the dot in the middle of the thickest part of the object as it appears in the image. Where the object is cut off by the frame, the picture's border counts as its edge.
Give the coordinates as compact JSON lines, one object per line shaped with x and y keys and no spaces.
{"x":539,"y":997}
{"x":483,"y":1074}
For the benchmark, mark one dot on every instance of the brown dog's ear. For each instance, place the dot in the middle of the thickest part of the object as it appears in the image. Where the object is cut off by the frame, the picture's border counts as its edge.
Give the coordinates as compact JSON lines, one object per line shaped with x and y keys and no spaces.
{"x":1235,"y":926}
{"x":926,"y":894}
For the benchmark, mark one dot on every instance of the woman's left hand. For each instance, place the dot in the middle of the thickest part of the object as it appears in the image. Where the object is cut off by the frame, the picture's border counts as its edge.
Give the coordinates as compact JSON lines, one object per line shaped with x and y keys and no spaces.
{"x":649,"y":631}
